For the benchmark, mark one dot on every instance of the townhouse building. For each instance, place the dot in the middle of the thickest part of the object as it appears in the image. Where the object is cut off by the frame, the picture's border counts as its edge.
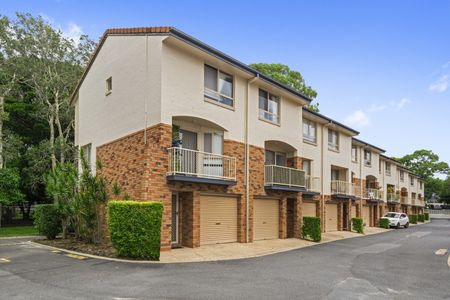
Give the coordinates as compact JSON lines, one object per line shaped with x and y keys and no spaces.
{"x":233,"y":155}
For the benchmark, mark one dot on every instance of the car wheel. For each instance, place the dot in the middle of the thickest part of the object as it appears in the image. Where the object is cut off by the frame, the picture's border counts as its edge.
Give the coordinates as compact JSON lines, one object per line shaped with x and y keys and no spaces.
{"x":398,"y":226}
{"x":407,"y":225}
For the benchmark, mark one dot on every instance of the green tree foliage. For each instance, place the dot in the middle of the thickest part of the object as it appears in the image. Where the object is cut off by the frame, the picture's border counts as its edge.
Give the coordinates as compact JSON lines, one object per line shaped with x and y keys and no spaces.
{"x":10,"y":192}
{"x":358,"y":225}
{"x":289,"y":77}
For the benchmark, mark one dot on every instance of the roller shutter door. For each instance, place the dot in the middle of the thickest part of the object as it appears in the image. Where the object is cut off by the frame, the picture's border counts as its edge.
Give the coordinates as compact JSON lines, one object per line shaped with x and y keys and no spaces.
{"x":309,"y":209}
{"x":265,"y":219}
{"x":366,"y":215}
{"x":218,"y":220}
{"x":331,"y":217}
{"x":353,"y":211}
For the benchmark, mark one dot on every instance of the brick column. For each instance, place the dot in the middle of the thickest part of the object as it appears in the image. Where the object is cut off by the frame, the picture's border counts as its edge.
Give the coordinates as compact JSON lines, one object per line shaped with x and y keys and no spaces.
{"x":283,"y":213}
{"x":242,"y":219}
{"x":298,"y":216}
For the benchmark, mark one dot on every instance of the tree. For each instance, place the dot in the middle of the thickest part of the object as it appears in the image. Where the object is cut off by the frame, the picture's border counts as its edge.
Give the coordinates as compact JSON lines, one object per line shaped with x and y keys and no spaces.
{"x":427,"y":165}
{"x":291,"y":78}
{"x":9,"y":187}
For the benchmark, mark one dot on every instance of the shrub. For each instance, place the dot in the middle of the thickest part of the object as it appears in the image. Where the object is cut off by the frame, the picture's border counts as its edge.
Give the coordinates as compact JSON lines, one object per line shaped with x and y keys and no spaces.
{"x":426,"y":216}
{"x":420,"y":218}
{"x":383,"y":223}
{"x":135,"y":228}
{"x":413,"y":219}
{"x":311,"y":229}
{"x":47,"y":220}
{"x":358,"y":225}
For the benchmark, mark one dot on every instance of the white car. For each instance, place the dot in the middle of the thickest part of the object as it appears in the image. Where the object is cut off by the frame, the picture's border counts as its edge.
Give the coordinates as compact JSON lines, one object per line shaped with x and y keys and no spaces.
{"x":397,"y":219}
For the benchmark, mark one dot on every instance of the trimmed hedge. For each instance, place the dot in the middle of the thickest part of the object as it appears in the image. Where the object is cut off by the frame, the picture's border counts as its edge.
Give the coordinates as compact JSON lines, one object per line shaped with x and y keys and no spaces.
{"x":426,"y":216}
{"x":47,"y":220}
{"x":421,"y":218}
{"x":358,"y":225}
{"x":384,"y":223}
{"x":311,"y":229}
{"x":413,"y":219}
{"x":135,"y":228}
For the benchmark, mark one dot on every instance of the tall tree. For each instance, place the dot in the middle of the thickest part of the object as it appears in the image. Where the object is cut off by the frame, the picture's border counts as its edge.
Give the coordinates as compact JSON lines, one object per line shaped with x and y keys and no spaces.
{"x":289,"y":77}
{"x":427,"y":165}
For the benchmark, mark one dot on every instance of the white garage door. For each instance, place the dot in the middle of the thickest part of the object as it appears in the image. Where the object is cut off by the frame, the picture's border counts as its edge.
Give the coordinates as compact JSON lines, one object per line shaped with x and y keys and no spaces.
{"x":331,"y":217}
{"x":265,"y":219}
{"x":366,"y":215}
{"x":353,"y":211}
{"x":309,"y":209}
{"x":218,"y":220}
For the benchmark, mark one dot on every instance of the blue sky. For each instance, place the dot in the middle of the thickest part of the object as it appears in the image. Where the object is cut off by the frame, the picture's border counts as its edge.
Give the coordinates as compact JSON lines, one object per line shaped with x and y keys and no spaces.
{"x":382,"y":67}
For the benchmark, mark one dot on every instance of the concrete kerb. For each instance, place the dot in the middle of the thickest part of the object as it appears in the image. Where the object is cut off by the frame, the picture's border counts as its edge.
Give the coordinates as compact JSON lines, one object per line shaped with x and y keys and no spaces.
{"x":21,"y":237}
{"x":198,"y":261}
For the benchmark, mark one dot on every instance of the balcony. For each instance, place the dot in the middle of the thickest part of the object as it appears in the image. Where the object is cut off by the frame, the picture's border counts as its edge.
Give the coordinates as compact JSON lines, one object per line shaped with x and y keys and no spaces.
{"x":372,"y":194}
{"x":284,"y":178}
{"x":312,"y":184}
{"x":342,"y":189}
{"x":201,"y":167}
{"x":393,"y":198}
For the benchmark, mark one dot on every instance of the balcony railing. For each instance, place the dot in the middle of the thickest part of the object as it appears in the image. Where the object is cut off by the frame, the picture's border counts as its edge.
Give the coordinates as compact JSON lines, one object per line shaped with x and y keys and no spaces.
{"x":341,"y":187}
{"x":279,"y":175}
{"x":201,"y":164}
{"x":372,"y":193}
{"x":312,"y":183}
{"x":392,"y":197}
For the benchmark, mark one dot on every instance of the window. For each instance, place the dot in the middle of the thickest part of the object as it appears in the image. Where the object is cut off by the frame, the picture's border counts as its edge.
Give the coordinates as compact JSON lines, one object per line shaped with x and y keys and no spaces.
{"x":421,"y":184}
{"x":218,"y":86}
{"x":367,"y":158}
{"x":307,"y":167}
{"x":309,"y":131}
{"x":333,"y":140}
{"x":86,"y":150}
{"x":213,"y":143}
{"x":269,"y":107}
{"x":335,"y":174}
{"x":108,"y":86}
{"x":379,"y":166}
{"x":402,"y":176}
{"x":354,"y":153}
{"x":387,"y":168}
{"x":411,"y":179}
{"x":275,"y":158}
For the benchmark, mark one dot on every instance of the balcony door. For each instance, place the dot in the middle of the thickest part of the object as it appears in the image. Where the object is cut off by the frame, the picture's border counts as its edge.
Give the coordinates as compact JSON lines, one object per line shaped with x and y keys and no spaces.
{"x":213,"y":160}
{"x":276,"y":158}
{"x":188,"y":159}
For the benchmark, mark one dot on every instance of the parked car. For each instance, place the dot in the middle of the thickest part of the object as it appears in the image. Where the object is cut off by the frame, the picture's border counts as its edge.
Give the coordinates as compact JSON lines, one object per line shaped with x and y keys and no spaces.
{"x":397,"y":219}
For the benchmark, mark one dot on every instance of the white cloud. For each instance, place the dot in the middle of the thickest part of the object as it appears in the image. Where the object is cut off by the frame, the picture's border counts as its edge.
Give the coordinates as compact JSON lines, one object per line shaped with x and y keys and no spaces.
{"x":401,"y":103}
{"x":440,"y":85}
{"x":73,"y":31}
{"x":377,"y":107}
{"x":357,"y":119}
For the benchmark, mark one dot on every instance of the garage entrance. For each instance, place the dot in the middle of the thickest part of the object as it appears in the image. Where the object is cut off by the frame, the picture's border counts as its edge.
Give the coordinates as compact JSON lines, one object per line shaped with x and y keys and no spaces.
{"x":266,"y":218}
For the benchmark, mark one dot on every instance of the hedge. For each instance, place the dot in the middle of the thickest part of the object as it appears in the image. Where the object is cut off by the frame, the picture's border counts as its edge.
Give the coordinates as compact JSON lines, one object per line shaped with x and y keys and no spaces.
{"x":426,"y":216}
{"x":47,"y":220}
{"x":413,"y":219}
{"x":135,"y":228}
{"x":311,"y":229}
{"x":421,"y":218}
{"x":383,"y":223}
{"x":358,"y":225}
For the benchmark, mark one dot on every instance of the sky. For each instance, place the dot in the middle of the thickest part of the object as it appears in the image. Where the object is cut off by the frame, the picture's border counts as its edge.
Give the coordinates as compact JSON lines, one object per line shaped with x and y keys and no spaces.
{"x":381,"y":67}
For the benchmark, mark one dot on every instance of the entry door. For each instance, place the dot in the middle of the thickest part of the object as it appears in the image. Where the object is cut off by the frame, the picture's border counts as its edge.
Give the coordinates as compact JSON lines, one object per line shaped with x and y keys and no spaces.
{"x":345,"y":216}
{"x":189,"y":158}
{"x":175,"y":218}
{"x":213,"y":164}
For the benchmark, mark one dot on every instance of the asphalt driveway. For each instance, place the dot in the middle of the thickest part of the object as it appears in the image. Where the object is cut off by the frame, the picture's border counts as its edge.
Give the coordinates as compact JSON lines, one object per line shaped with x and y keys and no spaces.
{"x":399,"y":264}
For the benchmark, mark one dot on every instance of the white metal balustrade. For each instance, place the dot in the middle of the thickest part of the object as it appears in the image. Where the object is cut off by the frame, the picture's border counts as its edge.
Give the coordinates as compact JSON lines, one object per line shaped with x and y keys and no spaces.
{"x":312,"y":183}
{"x":393,"y":197}
{"x":279,"y":175}
{"x":340,"y":187}
{"x":201,"y":164}
{"x":370,"y":193}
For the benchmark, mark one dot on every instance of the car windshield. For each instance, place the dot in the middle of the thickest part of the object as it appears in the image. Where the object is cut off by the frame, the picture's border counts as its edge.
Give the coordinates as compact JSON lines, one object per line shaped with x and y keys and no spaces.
{"x":392,"y":215}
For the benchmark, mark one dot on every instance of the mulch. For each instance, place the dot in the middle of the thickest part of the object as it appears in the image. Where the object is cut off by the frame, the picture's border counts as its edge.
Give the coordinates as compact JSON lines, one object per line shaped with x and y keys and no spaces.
{"x":74,"y":244}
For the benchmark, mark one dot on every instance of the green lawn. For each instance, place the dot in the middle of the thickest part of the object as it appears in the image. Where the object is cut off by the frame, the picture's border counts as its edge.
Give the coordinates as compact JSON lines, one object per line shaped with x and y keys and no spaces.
{"x":18,"y":231}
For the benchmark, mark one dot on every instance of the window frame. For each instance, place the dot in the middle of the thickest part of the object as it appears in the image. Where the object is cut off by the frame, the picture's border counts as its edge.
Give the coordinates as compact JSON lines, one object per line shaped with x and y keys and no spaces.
{"x":387,"y":168}
{"x":309,"y":138}
{"x":333,"y":147}
{"x":211,"y":99}
{"x":402,"y":175}
{"x":275,"y":155}
{"x":108,"y":85}
{"x":278,"y":115}
{"x":368,"y":162}
{"x":354,"y":157}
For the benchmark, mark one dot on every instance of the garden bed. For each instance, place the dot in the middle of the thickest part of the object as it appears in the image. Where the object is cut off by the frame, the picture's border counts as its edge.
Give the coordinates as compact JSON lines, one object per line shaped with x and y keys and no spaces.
{"x":74,"y":244}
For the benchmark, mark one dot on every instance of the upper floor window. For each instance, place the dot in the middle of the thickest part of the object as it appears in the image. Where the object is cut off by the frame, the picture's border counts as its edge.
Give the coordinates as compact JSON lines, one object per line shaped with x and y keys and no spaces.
{"x":367,"y":158}
{"x":108,"y":86}
{"x":86,"y":150}
{"x":275,"y":158}
{"x":387,"y":168}
{"x":307,"y":167}
{"x":335,"y":174}
{"x":309,"y":131}
{"x":411,"y":180}
{"x":354,"y":153}
{"x":402,"y":176}
{"x":269,"y":107}
{"x":218,"y":86}
{"x":421,"y":184}
{"x":333,"y":140}
{"x":379,"y":166}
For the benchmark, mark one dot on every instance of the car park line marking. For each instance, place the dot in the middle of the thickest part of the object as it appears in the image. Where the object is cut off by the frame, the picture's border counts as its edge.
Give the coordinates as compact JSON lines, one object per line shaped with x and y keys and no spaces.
{"x":75,"y":256}
{"x":4,"y":260}
{"x":56,"y":251}
{"x":441,"y":252}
